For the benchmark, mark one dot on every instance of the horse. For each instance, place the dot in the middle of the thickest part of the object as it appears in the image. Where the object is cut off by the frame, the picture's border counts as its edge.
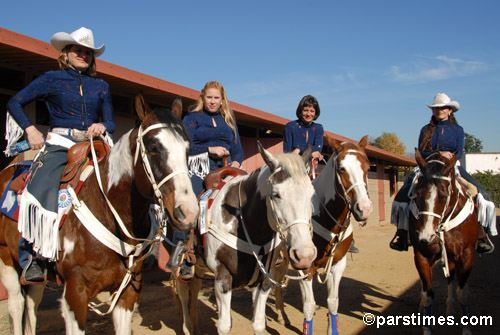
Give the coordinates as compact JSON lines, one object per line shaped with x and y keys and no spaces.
{"x":147,"y":165}
{"x":249,"y":217}
{"x":443,"y":226}
{"x":340,"y":190}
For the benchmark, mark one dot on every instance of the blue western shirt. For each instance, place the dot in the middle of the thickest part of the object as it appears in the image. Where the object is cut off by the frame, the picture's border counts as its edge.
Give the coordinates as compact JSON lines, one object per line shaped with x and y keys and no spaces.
{"x":447,"y":136}
{"x":203,"y":134}
{"x":299,"y":135}
{"x":67,"y":106}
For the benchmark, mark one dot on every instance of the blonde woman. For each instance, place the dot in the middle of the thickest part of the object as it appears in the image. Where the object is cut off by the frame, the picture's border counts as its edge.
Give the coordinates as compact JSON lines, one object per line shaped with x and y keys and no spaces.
{"x":212,"y":128}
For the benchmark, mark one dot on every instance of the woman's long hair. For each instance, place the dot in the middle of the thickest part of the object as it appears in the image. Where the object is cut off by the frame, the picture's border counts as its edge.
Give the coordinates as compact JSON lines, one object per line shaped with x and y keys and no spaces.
{"x":225,"y":109}
{"x":426,"y":144}
{"x":63,"y":61}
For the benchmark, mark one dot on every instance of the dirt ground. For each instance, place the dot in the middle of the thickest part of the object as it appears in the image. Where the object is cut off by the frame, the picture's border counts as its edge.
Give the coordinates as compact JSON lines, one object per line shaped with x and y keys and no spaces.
{"x":377,"y":280}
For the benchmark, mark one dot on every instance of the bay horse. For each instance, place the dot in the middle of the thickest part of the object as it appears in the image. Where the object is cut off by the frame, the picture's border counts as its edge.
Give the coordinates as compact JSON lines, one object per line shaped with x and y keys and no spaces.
{"x":249,"y":218}
{"x":443,"y":226}
{"x":340,"y":190}
{"x":147,"y":165}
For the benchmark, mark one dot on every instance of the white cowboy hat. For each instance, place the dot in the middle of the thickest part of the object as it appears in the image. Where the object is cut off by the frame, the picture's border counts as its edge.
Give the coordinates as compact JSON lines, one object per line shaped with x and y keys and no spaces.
{"x":82,"y":36}
{"x":442,"y":100}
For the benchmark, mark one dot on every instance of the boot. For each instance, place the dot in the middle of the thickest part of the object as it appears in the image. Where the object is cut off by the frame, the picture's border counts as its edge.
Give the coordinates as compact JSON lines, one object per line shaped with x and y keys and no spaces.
{"x":32,"y":273}
{"x":352,"y":248}
{"x":400,"y":241}
{"x":484,"y":244}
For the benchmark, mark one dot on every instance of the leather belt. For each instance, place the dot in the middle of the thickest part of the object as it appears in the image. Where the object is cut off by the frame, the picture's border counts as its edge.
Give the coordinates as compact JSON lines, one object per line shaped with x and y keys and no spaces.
{"x":76,"y":134}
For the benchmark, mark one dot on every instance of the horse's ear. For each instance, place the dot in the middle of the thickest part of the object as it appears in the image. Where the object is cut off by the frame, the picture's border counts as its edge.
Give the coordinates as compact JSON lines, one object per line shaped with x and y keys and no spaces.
{"x":141,"y":107}
{"x":336,"y":145}
{"x":307,"y":155}
{"x":268,"y":157}
{"x":450,"y":165}
{"x":420,"y":160}
{"x":177,"y":107}
{"x":364,"y":141}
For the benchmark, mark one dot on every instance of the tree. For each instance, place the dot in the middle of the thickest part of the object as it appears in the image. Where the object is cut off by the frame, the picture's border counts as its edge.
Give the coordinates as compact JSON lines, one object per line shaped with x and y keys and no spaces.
{"x":389,"y":142}
{"x":472,"y":144}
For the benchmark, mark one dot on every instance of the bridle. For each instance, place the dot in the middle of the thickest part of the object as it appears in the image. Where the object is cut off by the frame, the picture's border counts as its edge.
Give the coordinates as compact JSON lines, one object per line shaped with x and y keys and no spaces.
{"x":276,"y":224}
{"x":140,"y":147}
{"x":345,"y":193}
{"x":445,"y":208}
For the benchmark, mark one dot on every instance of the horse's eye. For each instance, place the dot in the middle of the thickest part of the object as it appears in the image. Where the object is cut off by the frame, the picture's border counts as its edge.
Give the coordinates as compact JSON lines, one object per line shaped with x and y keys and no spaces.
{"x":276,"y":196}
{"x":153,"y":150}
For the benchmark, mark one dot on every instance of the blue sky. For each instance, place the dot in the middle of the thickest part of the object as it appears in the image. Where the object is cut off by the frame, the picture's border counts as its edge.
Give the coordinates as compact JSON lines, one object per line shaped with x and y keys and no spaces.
{"x":372,"y":64}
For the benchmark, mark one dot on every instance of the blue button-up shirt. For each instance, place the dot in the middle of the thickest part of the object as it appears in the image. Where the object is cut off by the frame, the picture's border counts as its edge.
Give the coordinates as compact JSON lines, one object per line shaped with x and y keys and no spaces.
{"x":68,"y":106}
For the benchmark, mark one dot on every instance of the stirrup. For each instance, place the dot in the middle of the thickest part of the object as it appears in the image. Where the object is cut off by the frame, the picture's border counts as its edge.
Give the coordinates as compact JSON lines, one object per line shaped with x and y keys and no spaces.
{"x":490,"y":246}
{"x":40,"y":274}
{"x":185,"y":272}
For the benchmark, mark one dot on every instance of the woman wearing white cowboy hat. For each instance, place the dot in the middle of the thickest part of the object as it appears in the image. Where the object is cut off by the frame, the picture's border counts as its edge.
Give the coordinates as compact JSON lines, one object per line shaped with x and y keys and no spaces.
{"x":443,"y":135}
{"x":79,"y":107}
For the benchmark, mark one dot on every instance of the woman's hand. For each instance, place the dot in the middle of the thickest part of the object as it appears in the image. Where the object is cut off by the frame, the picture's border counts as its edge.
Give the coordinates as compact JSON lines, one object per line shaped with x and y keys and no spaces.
{"x":446,"y":154}
{"x":235,"y":164}
{"x":218,"y":152}
{"x":95,"y":130}
{"x":35,"y":138}
{"x":317,"y":155}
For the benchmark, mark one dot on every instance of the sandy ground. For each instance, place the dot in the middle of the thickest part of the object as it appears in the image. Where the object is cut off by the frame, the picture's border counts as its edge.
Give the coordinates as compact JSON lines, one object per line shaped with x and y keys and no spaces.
{"x":378,"y":280}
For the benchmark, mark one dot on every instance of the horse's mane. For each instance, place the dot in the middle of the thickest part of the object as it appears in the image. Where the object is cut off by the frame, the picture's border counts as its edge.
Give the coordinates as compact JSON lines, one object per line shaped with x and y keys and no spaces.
{"x":293,"y":166}
{"x":432,"y":169}
{"x":164,"y":115}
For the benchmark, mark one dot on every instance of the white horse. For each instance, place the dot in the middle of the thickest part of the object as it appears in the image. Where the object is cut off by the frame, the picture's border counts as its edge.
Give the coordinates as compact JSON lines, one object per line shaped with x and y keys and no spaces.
{"x":250,"y":217}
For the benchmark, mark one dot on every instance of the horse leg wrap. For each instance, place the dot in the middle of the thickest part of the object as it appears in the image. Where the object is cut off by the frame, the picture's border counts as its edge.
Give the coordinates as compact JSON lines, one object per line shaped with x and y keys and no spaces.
{"x":427,"y":317}
{"x":333,"y":323}
{"x":308,"y":327}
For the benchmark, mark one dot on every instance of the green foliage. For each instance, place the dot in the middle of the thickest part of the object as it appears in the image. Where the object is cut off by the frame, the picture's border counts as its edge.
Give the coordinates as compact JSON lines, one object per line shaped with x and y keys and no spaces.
{"x":491,"y":182}
{"x":389,"y":142}
{"x":472,"y":144}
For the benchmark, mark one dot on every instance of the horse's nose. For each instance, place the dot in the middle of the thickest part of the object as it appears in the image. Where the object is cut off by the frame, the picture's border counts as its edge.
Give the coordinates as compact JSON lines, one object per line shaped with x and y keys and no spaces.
{"x":427,"y":239}
{"x":185,"y":217}
{"x":302,"y":258}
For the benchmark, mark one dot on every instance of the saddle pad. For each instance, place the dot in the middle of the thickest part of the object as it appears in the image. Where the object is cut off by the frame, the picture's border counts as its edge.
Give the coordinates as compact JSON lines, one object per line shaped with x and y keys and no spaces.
{"x":9,"y":205}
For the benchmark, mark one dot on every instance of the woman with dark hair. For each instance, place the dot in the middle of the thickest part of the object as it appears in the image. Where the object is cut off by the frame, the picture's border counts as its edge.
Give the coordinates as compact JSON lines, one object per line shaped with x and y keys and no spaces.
{"x":304,"y":131}
{"x":445,"y":136}
{"x":79,"y":107}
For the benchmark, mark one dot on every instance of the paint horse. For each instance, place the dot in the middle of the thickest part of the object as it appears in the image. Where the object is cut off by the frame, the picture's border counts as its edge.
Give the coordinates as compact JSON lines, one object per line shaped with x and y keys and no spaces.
{"x":250,"y":217}
{"x":147,"y":165}
{"x":341,"y":190}
{"x":443,"y":226}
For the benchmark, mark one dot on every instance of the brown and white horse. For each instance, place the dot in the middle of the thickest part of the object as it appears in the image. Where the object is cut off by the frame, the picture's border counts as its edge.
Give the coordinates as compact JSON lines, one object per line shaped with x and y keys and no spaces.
{"x":249,"y":218}
{"x":341,"y":190}
{"x":147,"y":165}
{"x":443,"y":227}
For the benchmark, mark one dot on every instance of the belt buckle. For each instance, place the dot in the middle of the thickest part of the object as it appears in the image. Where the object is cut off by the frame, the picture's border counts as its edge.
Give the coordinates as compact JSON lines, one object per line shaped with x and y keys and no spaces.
{"x":79,"y":135}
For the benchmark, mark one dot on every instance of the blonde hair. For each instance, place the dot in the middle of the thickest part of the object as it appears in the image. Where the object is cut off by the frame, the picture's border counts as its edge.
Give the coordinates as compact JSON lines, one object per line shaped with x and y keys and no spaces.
{"x":63,"y":61}
{"x":225,"y":109}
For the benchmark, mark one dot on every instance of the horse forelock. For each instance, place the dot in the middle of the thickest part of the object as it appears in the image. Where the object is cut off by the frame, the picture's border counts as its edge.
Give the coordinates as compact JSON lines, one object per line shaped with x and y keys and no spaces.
{"x":120,"y":161}
{"x":293,"y":166}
